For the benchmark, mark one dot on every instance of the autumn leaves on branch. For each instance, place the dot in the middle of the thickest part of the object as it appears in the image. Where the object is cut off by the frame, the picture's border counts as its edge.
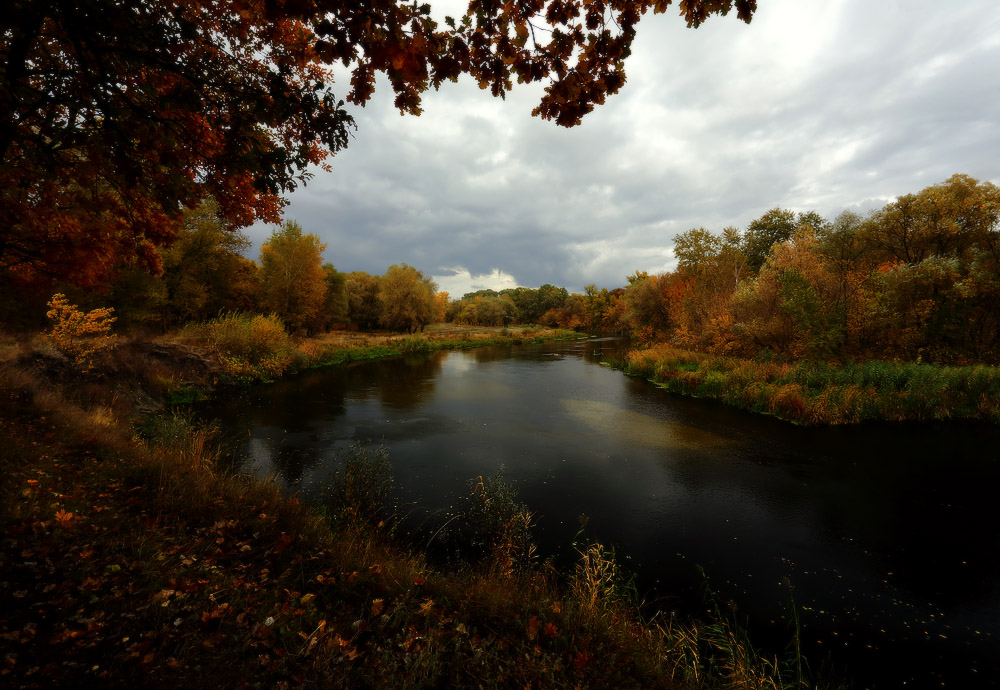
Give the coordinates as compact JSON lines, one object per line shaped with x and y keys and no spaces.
{"x":115,"y":116}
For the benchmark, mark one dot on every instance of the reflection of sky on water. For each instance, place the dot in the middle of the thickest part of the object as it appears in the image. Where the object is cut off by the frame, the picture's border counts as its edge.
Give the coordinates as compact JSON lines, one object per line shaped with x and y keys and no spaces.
{"x":457,"y":363}
{"x":626,"y":426}
{"x":886,"y":533}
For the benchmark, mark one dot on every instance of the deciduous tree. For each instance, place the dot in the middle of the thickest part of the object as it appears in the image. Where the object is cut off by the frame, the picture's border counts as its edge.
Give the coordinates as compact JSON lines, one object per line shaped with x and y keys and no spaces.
{"x":696,"y":248}
{"x":115,"y":115}
{"x":293,"y":283}
{"x":405,"y":299}
{"x":203,"y":274}
{"x":791,"y":307}
{"x":775,"y":226}
{"x":335,"y":305}
{"x":487,"y":311}
{"x":648,"y":304}
{"x":946,"y":219}
{"x":362,"y":300}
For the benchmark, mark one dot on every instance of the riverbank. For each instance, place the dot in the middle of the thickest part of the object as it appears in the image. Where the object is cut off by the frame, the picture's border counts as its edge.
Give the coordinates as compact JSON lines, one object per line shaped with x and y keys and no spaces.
{"x":256,"y":348}
{"x":343,"y":348}
{"x":820,"y":393}
{"x":127,"y":558}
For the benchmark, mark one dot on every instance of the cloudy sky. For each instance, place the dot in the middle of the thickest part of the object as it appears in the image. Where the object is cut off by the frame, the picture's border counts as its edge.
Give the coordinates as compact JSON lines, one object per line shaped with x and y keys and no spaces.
{"x":816,"y":105}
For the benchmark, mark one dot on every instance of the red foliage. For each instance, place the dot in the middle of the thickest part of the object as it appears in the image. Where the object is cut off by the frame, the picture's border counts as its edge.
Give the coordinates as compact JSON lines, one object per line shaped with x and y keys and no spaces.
{"x":115,"y":115}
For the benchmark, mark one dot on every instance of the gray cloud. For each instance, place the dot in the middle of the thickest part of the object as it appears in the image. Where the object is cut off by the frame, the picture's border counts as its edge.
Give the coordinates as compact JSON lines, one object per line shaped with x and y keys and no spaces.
{"x":815,"y":105}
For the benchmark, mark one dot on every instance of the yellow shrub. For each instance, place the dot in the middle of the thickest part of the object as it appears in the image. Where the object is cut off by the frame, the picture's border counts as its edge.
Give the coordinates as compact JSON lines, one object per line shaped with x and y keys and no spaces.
{"x":250,"y":347}
{"x":78,"y":335}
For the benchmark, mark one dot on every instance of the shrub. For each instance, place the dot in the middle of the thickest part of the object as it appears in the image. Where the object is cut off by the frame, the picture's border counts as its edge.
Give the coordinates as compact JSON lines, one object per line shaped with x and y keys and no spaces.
{"x":250,"y":347}
{"x":80,"y":336}
{"x":414,"y":343}
{"x":497,"y":527}
{"x":362,"y":485}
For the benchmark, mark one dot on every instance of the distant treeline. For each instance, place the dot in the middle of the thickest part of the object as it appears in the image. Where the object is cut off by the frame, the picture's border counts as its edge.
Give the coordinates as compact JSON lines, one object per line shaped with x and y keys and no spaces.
{"x":547,"y":305}
{"x":918,"y":279}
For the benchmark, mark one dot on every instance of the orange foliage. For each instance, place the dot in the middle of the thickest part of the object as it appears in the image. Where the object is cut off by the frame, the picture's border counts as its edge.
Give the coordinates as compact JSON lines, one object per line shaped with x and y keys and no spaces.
{"x":117,"y":115}
{"x":78,"y":335}
{"x":441,"y":300}
{"x":919,"y":280}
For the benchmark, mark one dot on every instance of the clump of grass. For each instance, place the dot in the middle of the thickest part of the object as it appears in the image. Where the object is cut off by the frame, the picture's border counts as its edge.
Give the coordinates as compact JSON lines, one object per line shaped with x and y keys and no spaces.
{"x":250,"y":347}
{"x":184,"y":394}
{"x":414,"y":343}
{"x":362,"y":485}
{"x":494,"y":530}
{"x":598,"y":585}
{"x":336,"y":356}
{"x":177,"y":434}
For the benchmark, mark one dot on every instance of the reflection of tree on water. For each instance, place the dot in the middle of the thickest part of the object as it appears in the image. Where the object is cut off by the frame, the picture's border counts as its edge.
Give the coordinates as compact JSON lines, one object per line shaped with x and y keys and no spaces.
{"x":406,"y":382}
{"x":298,"y":420}
{"x":293,"y":459}
{"x":271,"y":428}
{"x":484,"y":355}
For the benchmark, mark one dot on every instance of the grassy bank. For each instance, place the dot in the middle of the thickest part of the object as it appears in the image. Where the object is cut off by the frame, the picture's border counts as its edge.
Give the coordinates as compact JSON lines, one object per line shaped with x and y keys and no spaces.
{"x":126,"y":558}
{"x":253,"y":348}
{"x":818,"y":393}
{"x":339,"y":348}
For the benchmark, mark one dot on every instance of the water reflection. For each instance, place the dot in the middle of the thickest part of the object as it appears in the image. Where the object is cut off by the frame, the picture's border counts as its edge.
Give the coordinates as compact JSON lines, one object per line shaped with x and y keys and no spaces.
{"x":887,"y":534}
{"x":611,"y":421}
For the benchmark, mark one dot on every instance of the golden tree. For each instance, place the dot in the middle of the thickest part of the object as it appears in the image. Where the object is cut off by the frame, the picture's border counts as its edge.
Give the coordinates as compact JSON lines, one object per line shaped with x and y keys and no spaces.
{"x":293,"y":283}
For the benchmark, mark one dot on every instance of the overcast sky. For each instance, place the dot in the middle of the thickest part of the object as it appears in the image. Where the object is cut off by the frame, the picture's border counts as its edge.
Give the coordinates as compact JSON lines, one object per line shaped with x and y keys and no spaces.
{"x":816,"y":105}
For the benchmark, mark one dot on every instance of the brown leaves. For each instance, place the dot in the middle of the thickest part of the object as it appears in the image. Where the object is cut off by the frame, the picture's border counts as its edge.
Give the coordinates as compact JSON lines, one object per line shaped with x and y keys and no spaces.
{"x":426,"y":607}
{"x":532,"y":627}
{"x":130,"y":115}
{"x":64,"y":519}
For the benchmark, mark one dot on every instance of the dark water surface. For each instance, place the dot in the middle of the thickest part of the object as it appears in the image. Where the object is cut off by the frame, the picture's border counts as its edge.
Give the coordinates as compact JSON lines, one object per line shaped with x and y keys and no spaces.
{"x":889,"y":535}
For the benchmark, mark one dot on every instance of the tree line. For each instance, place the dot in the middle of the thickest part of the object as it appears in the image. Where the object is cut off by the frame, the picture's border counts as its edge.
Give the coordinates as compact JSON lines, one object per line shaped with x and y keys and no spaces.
{"x":204,"y":274}
{"x":918,"y":279}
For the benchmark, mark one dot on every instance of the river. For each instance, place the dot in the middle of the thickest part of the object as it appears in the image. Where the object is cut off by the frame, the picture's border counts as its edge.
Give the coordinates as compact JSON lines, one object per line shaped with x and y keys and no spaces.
{"x":886,"y":536}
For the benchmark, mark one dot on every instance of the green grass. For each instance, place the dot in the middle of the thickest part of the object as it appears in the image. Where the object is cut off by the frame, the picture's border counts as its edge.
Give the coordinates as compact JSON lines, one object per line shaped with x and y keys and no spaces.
{"x":339,"y":356}
{"x":822,"y":393}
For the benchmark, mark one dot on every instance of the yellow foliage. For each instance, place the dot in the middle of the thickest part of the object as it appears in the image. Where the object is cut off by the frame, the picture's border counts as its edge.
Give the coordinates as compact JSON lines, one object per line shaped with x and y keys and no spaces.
{"x":78,"y":335}
{"x":250,"y":348}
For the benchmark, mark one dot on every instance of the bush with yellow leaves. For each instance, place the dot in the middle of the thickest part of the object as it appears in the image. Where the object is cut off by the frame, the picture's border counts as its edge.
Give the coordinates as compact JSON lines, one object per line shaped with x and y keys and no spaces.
{"x":79,"y":335}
